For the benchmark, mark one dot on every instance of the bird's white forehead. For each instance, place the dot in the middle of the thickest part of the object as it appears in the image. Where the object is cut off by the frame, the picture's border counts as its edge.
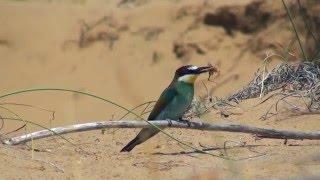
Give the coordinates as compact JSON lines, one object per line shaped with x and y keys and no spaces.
{"x":193,"y":67}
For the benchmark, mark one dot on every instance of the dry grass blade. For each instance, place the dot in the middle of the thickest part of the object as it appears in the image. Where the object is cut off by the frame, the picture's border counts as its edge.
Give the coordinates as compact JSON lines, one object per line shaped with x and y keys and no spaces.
{"x":294,"y":29}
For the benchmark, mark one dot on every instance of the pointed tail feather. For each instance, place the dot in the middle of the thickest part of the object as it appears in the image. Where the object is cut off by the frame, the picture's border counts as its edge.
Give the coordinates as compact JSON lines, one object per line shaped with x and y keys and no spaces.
{"x":130,"y":145}
{"x":143,"y":135}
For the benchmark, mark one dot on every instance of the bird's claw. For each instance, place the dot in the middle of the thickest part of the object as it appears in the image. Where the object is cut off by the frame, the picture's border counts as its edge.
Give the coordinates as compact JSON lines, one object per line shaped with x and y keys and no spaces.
{"x":185,"y":121}
{"x":169,"y":122}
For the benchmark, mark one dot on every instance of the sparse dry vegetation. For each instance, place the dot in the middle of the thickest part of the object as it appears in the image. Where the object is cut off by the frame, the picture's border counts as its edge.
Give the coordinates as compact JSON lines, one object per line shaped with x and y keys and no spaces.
{"x":265,"y":83}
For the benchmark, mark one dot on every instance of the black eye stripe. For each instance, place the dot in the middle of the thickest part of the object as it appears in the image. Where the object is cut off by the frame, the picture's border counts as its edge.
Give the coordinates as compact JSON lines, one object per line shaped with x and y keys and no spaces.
{"x":186,"y":70}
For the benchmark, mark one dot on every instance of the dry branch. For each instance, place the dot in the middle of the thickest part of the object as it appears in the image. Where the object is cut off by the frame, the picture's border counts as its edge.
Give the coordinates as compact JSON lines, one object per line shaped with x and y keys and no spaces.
{"x":258,"y":131}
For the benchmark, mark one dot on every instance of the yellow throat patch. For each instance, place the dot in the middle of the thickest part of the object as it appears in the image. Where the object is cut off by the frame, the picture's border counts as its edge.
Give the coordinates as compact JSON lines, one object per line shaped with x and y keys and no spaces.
{"x":189,"y":78}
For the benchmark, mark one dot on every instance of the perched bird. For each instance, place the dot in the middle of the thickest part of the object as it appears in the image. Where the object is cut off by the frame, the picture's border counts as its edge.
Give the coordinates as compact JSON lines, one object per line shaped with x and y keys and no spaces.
{"x":173,"y":102}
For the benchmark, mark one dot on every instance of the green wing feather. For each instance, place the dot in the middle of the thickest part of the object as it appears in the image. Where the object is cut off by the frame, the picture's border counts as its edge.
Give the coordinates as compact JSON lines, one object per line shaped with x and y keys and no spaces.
{"x":165,"y":98}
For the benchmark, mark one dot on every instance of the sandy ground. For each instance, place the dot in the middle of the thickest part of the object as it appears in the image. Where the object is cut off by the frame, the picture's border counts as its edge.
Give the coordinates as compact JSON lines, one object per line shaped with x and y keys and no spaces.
{"x":39,"y":49}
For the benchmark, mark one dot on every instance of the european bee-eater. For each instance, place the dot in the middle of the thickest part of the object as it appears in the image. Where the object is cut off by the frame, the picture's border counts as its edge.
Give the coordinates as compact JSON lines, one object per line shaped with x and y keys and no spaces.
{"x":173,"y":102}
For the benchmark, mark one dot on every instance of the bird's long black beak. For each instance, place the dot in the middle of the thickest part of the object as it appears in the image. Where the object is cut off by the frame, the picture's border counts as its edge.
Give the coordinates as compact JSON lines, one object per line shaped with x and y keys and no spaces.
{"x":204,"y":69}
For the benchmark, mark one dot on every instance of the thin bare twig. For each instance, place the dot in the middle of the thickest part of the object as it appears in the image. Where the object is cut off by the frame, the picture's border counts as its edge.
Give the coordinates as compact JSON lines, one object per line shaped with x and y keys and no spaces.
{"x":258,"y":131}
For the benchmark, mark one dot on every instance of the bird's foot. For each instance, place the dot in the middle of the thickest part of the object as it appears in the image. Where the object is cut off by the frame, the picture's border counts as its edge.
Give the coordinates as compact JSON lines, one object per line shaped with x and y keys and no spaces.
{"x":185,"y":121}
{"x":170,"y":122}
